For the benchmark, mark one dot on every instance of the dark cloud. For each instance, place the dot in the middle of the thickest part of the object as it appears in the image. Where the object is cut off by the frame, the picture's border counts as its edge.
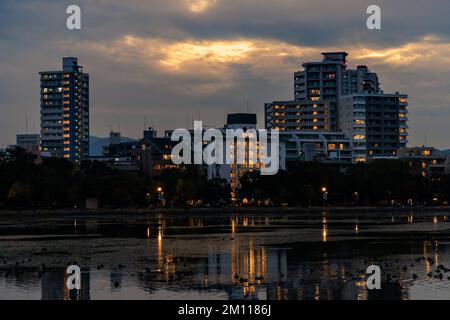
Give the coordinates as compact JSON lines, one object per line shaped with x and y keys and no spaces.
{"x":181,"y":64}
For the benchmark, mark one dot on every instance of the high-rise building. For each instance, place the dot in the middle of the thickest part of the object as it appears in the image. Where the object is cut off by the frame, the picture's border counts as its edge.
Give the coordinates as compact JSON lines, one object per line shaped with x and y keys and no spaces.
{"x":329,"y":79}
{"x":375,"y":123}
{"x":360,"y":80}
{"x":331,"y":98}
{"x":65,"y":111}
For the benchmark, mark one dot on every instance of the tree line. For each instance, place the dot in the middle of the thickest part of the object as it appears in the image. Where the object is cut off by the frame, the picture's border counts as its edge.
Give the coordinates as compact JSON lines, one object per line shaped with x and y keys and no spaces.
{"x":58,"y":183}
{"x":378,"y":183}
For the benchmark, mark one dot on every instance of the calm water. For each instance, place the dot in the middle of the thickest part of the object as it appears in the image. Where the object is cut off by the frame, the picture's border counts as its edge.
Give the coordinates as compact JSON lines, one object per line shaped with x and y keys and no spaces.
{"x":305,"y":256}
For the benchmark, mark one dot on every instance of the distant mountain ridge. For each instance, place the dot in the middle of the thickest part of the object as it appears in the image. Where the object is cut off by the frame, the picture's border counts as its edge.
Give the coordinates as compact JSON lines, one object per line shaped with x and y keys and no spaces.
{"x":447,"y":152}
{"x":96,"y":144}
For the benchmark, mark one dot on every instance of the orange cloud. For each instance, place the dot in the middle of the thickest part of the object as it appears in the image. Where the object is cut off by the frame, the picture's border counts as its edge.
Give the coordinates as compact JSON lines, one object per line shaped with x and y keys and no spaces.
{"x":199,"y":6}
{"x":214,"y":61}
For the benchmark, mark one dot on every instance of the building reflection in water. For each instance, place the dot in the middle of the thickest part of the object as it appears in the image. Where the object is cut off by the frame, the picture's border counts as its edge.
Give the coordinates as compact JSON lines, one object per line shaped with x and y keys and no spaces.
{"x":243,"y":268}
{"x":115,"y":279}
{"x":324,"y":229}
{"x":53,"y":286}
{"x":247,"y":271}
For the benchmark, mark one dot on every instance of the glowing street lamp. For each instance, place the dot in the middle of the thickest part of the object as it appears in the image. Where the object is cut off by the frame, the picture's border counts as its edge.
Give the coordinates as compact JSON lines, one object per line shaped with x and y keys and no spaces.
{"x":324,"y":194}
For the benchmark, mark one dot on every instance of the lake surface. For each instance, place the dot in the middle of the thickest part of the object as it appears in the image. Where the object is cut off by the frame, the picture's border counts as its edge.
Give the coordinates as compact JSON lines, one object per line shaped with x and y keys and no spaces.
{"x":274,"y":256}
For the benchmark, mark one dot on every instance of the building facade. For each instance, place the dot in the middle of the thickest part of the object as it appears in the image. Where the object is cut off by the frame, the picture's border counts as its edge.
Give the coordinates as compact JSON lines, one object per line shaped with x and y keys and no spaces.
{"x":376,"y":124}
{"x":65,"y":111}
{"x":326,"y":147}
{"x":305,"y":115}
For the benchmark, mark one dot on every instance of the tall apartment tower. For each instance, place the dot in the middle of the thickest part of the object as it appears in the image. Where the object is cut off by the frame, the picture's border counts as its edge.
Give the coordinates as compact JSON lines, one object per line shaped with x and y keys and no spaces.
{"x":376,"y":124}
{"x":329,"y":79}
{"x":65,"y":111}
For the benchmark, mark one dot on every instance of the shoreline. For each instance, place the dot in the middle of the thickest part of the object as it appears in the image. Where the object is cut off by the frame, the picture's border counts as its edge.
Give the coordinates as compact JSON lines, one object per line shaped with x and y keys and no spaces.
{"x":141,"y":211}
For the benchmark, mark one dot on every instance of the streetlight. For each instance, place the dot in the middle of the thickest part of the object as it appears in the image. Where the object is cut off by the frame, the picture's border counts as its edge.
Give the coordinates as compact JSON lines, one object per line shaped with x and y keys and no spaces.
{"x":324,"y":195}
{"x":161,"y":196}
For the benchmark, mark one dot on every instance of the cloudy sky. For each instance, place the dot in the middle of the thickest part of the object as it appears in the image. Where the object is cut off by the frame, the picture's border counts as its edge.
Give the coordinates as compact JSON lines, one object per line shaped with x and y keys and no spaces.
{"x":166,"y":62}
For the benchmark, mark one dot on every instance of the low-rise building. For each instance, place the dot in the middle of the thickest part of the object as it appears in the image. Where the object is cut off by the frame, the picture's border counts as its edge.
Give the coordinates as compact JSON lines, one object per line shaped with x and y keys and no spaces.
{"x":126,"y":163}
{"x":29,"y":142}
{"x":252,"y":163}
{"x":329,"y":147}
{"x":426,"y":161}
{"x":153,"y":155}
